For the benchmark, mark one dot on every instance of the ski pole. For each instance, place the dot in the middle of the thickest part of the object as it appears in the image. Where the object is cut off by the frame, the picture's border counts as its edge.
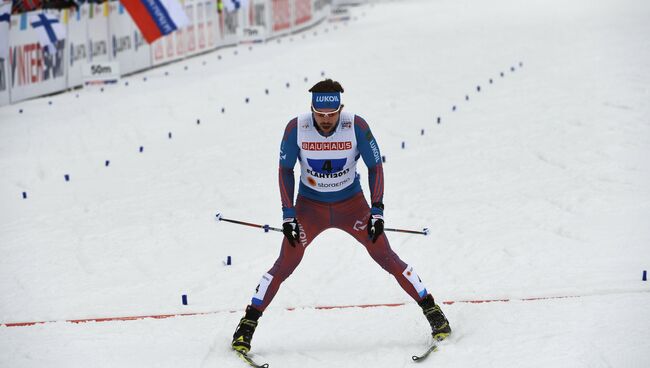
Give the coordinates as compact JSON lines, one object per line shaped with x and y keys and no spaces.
{"x":266,"y":228}
{"x":424,"y":231}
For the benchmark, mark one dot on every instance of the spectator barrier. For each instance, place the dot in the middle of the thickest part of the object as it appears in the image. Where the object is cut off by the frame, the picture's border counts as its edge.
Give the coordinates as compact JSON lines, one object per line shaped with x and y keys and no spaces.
{"x":101,"y":33}
{"x":4,"y":54}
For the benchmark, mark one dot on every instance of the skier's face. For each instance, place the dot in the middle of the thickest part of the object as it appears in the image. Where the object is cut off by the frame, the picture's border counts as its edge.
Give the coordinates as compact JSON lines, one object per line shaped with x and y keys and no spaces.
{"x":326,"y":118}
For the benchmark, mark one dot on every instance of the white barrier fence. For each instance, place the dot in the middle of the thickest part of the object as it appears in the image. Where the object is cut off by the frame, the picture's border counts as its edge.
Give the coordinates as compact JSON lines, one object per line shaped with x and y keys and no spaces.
{"x":106,"y":33}
{"x":4,"y":60}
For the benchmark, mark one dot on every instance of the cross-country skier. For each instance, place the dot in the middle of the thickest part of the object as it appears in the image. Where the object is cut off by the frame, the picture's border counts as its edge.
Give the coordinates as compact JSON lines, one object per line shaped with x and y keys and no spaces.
{"x":328,"y":142}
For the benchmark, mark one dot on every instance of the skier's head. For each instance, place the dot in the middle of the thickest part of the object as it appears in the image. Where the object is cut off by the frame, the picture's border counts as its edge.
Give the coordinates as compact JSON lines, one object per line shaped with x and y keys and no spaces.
{"x":326,"y":103}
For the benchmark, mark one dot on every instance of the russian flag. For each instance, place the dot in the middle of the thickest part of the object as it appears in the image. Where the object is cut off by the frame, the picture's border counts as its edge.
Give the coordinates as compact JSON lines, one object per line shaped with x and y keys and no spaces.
{"x":156,"y":18}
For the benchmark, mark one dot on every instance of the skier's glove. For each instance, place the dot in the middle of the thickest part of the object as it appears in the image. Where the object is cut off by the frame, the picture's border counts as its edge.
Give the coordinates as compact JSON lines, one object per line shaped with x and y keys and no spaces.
{"x":375,"y":226}
{"x":376,"y":221}
{"x":291,"y":230}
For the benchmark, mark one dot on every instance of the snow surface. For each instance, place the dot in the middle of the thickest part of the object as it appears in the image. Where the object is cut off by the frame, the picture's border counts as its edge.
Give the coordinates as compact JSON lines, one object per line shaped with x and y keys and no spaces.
{"x":536,"y":186}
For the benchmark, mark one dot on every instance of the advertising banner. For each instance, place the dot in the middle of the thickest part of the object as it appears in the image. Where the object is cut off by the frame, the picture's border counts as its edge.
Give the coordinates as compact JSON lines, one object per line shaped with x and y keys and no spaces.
{"x":168,"y":48}
{"x":254,"y":27}
{"x":302,"y":13}
{"x":228,"y":25}
{"x":201,"y":27}
{"x":190,"y":28}
{"x":5,"y":11}
{"x":322,"y":9}
{"x":97,"y":32}
{"x":77,"y":48}
{"x":34,"y":70}
{"x":211,"y":24}
{"x":201,"y":31}
{"x":280,"y":17}
{"x":127,"y":44}
{"x":174,"y":46}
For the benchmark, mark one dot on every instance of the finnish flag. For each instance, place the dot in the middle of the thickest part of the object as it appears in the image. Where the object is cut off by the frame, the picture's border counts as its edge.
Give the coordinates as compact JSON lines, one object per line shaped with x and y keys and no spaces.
{"x":232,"y":5}
{"x":49,"y":29}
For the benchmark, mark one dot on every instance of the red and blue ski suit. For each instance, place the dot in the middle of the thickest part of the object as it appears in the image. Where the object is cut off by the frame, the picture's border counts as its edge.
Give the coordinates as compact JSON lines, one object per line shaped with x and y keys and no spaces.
{"x":330,"y":196}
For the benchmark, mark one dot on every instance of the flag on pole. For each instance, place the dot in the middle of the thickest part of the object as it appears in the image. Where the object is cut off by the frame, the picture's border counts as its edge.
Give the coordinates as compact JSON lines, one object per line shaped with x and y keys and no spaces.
{"x":232,"y":5}
{"x":156,"y":18}
{"x":50,"y":30}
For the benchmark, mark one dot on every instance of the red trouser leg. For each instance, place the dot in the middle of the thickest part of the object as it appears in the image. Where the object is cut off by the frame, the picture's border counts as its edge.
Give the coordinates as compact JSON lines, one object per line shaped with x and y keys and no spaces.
{"x":313,"y":217}
{"x":350,"y":216}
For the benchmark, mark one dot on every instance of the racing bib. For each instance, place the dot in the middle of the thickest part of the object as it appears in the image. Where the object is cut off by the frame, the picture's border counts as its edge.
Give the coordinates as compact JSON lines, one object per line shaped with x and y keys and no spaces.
{"x":328,"y":164}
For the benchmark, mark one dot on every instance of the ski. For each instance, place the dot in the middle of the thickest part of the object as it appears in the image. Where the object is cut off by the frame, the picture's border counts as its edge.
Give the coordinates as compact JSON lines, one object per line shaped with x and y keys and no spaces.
{"x":250,"y":361}
{"x":432,"y":348}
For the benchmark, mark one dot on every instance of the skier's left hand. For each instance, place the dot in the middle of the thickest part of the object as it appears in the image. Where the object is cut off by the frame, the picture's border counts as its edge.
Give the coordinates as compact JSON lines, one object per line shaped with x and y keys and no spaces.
{"x":375,"y":226}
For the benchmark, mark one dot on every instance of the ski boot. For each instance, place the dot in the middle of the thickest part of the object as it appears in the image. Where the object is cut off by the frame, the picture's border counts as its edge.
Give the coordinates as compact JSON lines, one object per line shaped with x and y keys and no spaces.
{"x":439,"y":325}
{"x":241,"y":339}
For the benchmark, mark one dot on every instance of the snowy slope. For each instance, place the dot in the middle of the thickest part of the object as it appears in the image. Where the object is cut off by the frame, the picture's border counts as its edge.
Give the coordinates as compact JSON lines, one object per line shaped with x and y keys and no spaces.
{"x":538,"y":185}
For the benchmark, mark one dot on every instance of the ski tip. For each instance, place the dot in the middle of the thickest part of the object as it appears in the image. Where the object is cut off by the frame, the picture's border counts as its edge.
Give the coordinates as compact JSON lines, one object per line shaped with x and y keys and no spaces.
{"x":249,"y":360}
{"x":417,"y":358}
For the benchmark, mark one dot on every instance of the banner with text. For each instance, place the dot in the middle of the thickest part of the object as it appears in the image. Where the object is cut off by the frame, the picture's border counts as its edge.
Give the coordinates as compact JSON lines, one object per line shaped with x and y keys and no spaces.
{"x":5,"y":16}
{"x":77,"y":46}
{"x":128,"y":46}
{"x":97,"y":34}
{"x":280,"y":17}
{"x":34,"y":70}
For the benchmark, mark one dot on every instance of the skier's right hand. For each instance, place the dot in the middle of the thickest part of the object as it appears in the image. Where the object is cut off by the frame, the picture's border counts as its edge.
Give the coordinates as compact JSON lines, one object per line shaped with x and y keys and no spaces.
{"x":291,"y":230}
{"x":375,"y":227}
